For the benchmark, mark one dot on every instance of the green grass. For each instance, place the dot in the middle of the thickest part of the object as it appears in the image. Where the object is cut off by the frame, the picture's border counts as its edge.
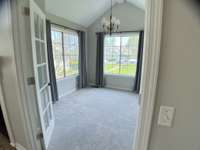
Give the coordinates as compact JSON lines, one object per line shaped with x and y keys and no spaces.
{"x":129,"y":69}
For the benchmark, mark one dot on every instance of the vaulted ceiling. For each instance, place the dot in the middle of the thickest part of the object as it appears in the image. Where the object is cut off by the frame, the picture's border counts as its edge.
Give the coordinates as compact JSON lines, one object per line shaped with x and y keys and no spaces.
{"x":83,"y":12}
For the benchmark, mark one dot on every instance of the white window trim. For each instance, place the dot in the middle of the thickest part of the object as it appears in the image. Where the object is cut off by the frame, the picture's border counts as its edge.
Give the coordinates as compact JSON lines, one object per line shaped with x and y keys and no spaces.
{"x":119,"y":75}
{"x":122,"y":34}
{"x":64,"y":30}
{"x":67,"y":77}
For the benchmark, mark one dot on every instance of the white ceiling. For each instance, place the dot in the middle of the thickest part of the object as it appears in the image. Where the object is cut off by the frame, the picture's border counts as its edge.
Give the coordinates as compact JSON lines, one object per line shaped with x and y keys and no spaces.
{"x":83,"y":12}
{"x":138,"y":3}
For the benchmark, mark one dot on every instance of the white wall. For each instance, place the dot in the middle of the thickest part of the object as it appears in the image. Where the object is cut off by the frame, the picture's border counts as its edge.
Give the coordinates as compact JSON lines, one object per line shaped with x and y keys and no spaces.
{"x":179,"y":77}
{"x":66,"y":86}
{"x":132,"y":19}
{"x":64,"y":22}
{"x":41,"y":4}
{"x":119,"y":82}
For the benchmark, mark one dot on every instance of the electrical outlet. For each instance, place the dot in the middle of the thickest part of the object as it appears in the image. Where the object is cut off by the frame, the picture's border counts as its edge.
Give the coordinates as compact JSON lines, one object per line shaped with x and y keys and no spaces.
{"x":166,"y":116}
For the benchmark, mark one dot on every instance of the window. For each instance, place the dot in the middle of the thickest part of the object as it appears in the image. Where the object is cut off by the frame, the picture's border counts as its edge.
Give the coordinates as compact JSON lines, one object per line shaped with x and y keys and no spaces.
{"x":66,"y":52}
{"x":120,"y":53}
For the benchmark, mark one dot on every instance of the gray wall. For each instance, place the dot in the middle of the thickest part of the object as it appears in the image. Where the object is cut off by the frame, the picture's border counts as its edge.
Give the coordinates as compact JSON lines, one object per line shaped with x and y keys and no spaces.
{"x":132,"y":19}
{"x":179,"y":78}
{"x":68,"y":84}
{"x":41,"y":4}
{"x":8,"y":76}
{"x":64,"y":22}
{"x":119,"y":82}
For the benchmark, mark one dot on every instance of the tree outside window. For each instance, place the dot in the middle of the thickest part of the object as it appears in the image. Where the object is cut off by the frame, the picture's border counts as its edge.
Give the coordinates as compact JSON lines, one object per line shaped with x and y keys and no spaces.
{"x":66,"y":52}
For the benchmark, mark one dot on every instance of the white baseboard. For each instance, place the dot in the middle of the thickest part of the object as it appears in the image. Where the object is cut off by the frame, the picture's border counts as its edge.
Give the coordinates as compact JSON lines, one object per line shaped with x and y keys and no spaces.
{"x":68,"y":92}
{"x":113,"y":87}
{"x":19,"y":147}
{"x":118,"y":88}
{"x":92,"y":84}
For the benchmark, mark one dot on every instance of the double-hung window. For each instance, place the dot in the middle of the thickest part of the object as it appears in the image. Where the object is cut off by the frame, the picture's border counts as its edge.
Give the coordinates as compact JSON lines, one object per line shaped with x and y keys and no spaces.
{"x":120,"y":53}
{"x":65,"y":51}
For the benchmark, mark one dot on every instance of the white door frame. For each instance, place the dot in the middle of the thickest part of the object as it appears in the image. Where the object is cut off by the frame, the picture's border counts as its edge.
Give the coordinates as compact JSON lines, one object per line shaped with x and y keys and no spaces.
{"x":6,"y":118}
{"x":152,"y":42}
{"x":152,"y":45}
{"x":2,"y":96}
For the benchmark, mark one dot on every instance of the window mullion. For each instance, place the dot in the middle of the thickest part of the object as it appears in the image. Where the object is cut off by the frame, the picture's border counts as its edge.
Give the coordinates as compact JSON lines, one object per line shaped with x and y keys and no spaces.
{"x":120,"y":55}
{"x":63,"y":55}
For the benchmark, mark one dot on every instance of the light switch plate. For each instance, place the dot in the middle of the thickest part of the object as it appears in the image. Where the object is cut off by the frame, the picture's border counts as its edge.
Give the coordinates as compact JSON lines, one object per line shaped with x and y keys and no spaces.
{"x":166,"y":116}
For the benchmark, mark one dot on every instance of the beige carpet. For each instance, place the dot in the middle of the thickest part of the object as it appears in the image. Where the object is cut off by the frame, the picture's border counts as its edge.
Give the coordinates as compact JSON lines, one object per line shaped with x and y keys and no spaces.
{"x":4,"y":143}
{"x":95,"y":119}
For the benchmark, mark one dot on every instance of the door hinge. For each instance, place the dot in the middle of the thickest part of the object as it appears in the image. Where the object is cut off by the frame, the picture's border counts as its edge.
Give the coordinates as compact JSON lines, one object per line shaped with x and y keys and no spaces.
{"x":31,"y":81}
{"x":39,"y":135}
{"x":26,"y":11}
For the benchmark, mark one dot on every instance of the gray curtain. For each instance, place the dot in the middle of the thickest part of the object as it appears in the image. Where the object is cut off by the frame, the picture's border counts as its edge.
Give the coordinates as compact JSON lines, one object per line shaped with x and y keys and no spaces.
{"x":82,"y":78}
{"x":99,"y":60}
{"x":52,"y":75}
{"x":139,"y":63}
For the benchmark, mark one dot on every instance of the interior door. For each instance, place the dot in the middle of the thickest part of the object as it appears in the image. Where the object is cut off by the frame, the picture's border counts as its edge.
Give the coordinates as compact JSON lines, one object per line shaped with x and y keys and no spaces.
{"x":40,"y":62}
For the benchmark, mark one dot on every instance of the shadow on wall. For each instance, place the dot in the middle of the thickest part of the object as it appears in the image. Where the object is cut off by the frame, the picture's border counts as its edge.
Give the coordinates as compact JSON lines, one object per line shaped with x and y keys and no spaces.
{"x":4,"y":61}
{"x":3,"y":129}
{"x":195,"y":7}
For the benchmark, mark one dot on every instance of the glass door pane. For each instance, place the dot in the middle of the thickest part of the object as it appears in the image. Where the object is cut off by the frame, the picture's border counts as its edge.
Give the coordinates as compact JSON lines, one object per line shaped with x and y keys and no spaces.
{"x":42,"y":76}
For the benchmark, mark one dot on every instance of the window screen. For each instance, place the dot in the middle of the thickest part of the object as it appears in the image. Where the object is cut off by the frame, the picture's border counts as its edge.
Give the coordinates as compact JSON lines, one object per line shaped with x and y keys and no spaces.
{"x":120,"y":53}
{"x":66,"y":52}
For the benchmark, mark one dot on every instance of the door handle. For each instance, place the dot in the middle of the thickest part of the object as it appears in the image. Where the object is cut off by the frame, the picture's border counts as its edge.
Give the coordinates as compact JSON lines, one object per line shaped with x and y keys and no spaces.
{"x":39,"y":134}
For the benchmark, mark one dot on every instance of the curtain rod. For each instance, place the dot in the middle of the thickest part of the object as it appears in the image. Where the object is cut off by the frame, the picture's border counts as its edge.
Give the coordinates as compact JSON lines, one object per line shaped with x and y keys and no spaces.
{"x":66,"y":27}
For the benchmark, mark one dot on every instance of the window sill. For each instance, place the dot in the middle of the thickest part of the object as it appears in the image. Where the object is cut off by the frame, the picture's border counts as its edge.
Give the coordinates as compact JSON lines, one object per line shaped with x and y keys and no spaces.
{"x":68,"y":77}
{"x":119,"y":76}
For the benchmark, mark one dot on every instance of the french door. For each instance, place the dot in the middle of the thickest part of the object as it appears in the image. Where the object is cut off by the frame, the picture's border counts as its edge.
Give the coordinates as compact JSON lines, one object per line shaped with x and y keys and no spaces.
{"x":40,"y":62}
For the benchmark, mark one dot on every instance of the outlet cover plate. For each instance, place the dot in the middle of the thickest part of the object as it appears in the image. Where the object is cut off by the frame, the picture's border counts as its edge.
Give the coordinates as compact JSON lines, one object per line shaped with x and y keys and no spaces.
{"x":166,"y":116}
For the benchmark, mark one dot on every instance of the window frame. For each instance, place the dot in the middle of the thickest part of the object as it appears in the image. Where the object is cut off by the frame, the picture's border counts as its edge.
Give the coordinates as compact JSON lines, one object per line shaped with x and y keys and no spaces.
{"x":63,"y":30}
{"x":120,"y":34}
